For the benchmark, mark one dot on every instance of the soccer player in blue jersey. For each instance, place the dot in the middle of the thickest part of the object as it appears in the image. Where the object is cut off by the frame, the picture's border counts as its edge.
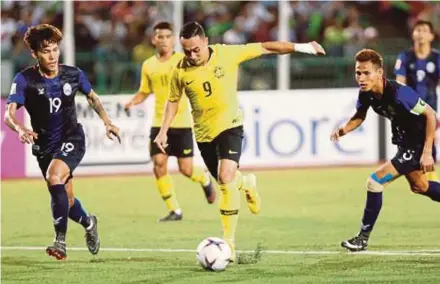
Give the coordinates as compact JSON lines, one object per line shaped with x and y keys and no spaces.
{"x":47,"y":91}
{"x":413,"y":124}
{"x":419,"y":68}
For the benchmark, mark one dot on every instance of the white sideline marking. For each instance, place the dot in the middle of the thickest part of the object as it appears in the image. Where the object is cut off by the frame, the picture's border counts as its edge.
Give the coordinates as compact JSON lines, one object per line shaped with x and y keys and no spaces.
{"x":295,"y":252}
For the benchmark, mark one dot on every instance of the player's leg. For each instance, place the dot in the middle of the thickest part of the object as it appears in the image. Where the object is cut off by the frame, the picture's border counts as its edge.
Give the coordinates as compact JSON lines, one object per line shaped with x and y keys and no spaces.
{"x":181,"y":145}
{"x":78,"y":214}
{"x":229,"y":201}
{"x":164,"y":181}
{"x":57,"y":174}
{"x":230,"y":143}
{"x":421,"y":185}
{"x":225,"y":173}
{"x":165,"y":185}
{"x":376,"y":183}
{"x":58,"y":249}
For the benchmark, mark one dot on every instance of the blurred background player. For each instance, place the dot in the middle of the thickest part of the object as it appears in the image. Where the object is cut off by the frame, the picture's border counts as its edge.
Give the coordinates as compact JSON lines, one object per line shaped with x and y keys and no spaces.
{"x":47,"y":91}
{"x":413,"y":124}
{"x":156,"y":73}
{"x":419,"y":68}
{"x":208,"y":76}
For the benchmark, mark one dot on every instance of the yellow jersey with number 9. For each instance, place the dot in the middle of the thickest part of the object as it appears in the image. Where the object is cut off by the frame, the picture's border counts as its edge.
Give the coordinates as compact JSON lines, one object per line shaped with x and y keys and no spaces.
{"x":212,"y":88}
{"x":155,"y":79}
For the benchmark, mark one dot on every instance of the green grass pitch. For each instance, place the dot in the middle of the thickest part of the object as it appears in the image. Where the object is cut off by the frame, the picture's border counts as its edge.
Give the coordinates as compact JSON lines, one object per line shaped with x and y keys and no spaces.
{"x":305,"y":214}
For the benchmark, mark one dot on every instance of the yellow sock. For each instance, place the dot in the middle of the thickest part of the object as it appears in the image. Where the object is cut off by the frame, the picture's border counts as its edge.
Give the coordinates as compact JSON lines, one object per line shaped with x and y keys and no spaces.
{"x":229,"y":205}
{"x":432,"y":176}
{"x":166,"y":190}
{"x":199,"y":175}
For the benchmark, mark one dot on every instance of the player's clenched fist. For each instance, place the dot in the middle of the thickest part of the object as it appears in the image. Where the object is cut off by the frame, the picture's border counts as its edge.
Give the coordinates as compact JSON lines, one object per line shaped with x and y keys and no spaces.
{"x":161,"y":141}
{"x":26,"y":135}
{"x":337,"y":133}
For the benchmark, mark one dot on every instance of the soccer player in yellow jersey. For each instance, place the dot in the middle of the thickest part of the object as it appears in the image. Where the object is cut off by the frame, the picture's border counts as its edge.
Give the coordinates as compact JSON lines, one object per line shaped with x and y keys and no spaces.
{"x":156,"y":73}
{"x":208,"y":76}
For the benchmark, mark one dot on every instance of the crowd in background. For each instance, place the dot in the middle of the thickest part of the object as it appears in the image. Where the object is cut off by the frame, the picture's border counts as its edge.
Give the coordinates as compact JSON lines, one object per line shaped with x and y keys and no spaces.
{"x":118,"y":31}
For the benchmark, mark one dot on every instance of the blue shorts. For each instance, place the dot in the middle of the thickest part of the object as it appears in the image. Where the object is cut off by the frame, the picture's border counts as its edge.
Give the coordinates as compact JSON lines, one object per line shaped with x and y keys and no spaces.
{"x":71,"y":151}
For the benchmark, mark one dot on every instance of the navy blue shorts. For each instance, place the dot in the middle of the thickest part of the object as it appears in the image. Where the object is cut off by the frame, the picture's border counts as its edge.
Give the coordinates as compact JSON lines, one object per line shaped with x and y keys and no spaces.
{"x":407,"y":159}
{"x":71,"y":151}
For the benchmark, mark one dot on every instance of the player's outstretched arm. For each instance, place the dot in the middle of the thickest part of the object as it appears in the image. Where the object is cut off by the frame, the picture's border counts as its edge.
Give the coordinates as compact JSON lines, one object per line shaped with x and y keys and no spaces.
{"x":354,"y":122}
{"x":95,"y":103}
{"x":25,"y":135}
{"x":138,"y":98}
{"x":170,"y":112}
{"x":282,"y":47}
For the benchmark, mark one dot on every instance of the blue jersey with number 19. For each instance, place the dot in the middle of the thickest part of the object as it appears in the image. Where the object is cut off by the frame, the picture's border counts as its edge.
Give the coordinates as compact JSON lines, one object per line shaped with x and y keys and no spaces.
{"x":50,"y":103}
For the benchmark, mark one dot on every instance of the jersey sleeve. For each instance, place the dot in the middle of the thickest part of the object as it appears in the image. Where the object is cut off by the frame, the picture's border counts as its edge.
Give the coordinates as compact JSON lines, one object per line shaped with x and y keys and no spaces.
{"x":244,"y":52}
{"x":176,"y":86}
{"x":16,"y":94}
{"x":362,"y":104}
{"x":84,"y":84}
{"x":411,"y":100}
{"x":400,"y":66}
{"x":145,"y":86}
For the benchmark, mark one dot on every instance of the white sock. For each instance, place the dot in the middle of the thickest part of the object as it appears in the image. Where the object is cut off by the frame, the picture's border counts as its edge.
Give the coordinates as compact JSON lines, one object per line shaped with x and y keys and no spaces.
{"x":178,"y":211}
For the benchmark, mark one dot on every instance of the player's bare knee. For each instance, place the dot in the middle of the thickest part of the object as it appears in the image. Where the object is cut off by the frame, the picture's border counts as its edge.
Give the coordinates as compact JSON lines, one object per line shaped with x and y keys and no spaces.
{"x":186,"y":170}
{"x":160,"y":169}
{"x":226,"y":176}
{"x":53,"y":179}
{"x":419,"y":187}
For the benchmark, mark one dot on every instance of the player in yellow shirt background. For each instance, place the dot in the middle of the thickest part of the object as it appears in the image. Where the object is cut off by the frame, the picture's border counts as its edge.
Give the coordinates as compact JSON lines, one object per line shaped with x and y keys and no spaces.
{"x":208,"y":76}
{"x":156,"y":73}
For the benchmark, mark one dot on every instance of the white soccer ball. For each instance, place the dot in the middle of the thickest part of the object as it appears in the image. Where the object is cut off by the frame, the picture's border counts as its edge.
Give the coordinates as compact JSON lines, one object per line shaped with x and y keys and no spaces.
{"x":213,"y":254}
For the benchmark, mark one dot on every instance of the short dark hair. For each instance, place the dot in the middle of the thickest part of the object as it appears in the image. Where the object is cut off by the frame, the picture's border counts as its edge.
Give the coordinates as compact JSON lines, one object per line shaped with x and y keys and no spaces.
{"x":163,"y":26}
{"x":192,"y":29}
{"x":421,"y":23}
{"x":369,"y":55}
{"x":40,"y":36}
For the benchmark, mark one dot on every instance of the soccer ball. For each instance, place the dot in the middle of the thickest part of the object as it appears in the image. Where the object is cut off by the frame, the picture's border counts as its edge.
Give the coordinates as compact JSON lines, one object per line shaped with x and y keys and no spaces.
{"x":213,"y":254}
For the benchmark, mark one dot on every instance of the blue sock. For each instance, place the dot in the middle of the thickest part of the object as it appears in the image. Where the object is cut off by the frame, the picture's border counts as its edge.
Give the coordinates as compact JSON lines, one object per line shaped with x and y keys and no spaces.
{"x":371,"y":212}
{"x":433,"y":191}
{"x":78,"y":214}
{"x":60,"y":208}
